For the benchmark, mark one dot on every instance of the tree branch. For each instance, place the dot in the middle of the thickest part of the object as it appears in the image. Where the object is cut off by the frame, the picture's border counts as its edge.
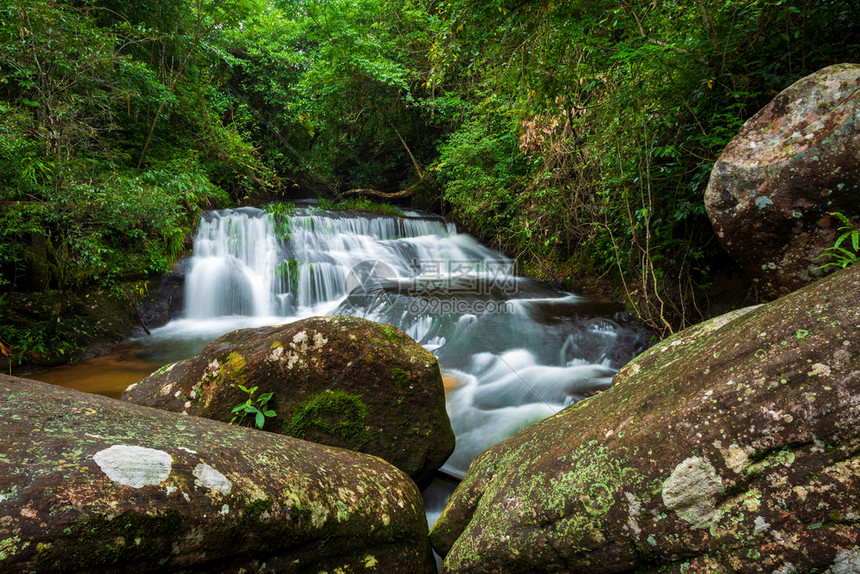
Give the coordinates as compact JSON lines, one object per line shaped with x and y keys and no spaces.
{"x":198,"y":36}
{"x":382,"y":195}
{"x":654,"y":42}
{"x":414,"y":162}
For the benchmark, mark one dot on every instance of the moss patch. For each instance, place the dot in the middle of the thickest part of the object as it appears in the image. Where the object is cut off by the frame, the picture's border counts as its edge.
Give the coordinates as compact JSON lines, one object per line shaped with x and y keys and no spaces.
{"x":391,"y":333}
{"x":401,"y":379}
{"x":335,"y":413}
{"x":236,"y":362}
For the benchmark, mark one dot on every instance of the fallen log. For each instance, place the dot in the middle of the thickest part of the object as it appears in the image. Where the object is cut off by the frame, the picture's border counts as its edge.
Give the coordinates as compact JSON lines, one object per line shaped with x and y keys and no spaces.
{"x":372,"y":192}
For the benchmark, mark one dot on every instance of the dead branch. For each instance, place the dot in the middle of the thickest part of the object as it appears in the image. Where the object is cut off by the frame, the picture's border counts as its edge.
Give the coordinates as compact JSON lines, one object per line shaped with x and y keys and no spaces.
{"x":374,"y":193}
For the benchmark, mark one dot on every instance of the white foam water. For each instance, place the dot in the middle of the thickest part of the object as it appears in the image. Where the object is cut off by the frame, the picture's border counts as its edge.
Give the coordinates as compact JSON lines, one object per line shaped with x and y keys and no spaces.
{"x":515,"y":351}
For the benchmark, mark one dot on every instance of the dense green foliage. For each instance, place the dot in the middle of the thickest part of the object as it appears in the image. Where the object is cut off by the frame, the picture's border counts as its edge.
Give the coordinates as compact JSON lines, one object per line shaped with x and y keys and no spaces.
{"x":361,"y":205}
{"x":595,"y":125}
{"x":112,"y":139}
{"x":335,"y":94}
{"x":577,"y":137}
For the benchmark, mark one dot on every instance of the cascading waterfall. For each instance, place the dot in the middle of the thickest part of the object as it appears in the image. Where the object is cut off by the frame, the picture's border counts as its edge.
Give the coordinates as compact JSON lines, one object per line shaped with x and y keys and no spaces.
{"x":235,"y":254}
{"x":514,"y":351}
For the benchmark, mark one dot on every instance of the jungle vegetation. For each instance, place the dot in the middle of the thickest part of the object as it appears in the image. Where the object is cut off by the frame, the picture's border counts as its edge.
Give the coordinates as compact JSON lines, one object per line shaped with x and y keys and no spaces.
{"x":576,"y":137}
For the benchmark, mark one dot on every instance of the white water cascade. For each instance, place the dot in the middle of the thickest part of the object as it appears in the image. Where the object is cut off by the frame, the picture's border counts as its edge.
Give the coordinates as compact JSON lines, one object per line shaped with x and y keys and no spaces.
{"x":512,"y":351}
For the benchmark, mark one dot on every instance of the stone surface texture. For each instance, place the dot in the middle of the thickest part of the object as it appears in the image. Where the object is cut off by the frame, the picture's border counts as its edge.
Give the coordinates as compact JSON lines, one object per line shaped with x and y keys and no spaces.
{"x":773,"y":189}
{"x":733,"y":446}
{"x":341,"y":381}
{"x":91,"y":484}
{"x":165,"y":300}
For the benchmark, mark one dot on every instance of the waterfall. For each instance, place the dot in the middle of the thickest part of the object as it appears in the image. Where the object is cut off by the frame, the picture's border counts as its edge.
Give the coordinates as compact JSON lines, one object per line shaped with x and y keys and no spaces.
{"x":235,"y":254}
{"x":512,"y":351}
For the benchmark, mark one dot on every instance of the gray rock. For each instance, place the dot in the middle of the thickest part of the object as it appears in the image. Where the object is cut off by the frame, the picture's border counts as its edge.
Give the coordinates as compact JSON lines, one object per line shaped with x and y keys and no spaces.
{"x":341,"y":381}
{"x":90,"y":484}
{"x":733,"y":446}
{"x":773,"y":188}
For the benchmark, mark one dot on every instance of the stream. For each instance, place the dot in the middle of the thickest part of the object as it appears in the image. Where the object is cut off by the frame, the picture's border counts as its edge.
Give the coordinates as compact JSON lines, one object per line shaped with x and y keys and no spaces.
{"x":512,"y":351}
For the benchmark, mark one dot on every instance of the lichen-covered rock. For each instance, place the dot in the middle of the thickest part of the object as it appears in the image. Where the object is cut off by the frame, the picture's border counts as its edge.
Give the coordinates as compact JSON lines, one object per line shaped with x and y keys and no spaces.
{"x":341,"y":381}
{"x":773,"y":188}
{"x":90,"y":484}
{"x":733,"y":446}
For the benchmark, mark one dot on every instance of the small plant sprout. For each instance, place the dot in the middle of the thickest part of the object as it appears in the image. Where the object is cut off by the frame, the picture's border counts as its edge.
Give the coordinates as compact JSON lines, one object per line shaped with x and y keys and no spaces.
{"x":850,"y":236}
{"x":260,"y":410}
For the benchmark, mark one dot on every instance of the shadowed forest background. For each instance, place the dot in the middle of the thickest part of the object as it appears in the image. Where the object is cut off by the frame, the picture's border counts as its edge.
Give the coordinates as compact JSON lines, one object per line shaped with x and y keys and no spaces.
{"x":576,"y":137}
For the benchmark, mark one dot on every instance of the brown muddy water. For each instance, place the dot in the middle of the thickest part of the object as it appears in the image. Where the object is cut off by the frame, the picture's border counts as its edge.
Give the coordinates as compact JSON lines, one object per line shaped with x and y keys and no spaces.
{"x":111,"y":374}
{"x":107,"y":375}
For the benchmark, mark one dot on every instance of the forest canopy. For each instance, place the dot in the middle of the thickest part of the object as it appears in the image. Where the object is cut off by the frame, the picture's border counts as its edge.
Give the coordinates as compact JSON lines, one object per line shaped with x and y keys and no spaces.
{"x":576,"y":137}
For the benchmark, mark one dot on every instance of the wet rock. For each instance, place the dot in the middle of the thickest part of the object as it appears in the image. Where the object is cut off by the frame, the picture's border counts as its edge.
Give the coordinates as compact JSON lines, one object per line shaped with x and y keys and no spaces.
{"x":792,"y":164}
{"x":165,"y":301}
{"x":733,"y":446}
{"x":91,"y":484}
{"x":341,"y":381}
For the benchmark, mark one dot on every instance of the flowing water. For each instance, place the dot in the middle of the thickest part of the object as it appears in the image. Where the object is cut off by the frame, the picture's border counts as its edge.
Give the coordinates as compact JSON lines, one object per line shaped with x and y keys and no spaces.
{"x":512,"y":351}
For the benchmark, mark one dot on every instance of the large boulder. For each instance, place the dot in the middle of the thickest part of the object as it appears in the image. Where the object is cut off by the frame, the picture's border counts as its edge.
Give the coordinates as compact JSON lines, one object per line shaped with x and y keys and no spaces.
{"x":91,"y":484}
{"x":773,"y":189}
{"x":733,"y":446}
{"x":341,"y":381}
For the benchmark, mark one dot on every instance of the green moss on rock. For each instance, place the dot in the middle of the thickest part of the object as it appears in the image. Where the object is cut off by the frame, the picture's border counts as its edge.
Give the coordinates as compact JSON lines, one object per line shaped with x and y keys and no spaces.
{"x":392,"y":333}
{"x":699,"y":449}
{"x":400,"y":379}
{"x":95,"y":485}
{"x":333,"y":412}
{"x":103,"y":542}
{"x":359,"y":360}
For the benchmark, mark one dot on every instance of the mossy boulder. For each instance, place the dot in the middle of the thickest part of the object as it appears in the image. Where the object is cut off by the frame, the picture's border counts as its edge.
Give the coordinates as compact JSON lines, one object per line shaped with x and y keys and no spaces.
{"x":341,"y":381}
{"x":91,"y":484}
{"x":773,"y":190}
{"x":733,"y":446}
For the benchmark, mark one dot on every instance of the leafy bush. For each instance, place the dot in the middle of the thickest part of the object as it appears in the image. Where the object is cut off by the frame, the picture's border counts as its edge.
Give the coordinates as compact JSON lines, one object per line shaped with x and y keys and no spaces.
{"x":617,"y":112}
{"x":850,"y":235}
{"x":482,"y":172}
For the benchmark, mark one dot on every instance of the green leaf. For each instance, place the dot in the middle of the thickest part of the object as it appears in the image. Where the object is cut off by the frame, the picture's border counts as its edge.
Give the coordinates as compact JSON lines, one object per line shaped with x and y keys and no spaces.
{"x":843,"y":218}
{"x":261,"y":420}
{"x":842,"y":238}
